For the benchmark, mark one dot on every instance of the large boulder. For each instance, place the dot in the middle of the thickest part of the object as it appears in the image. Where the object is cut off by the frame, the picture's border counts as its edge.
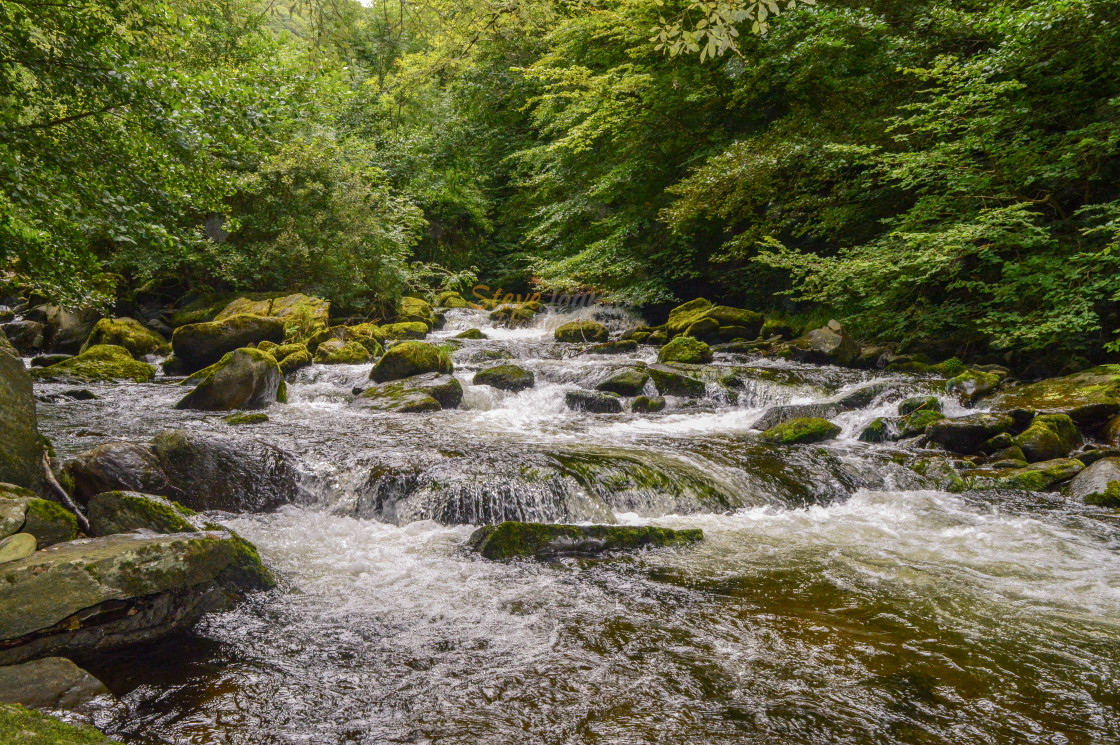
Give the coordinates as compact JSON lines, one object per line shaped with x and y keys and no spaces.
{"x":582,"y":331}
{"x":513,"y":316}
{"x":414,"y":394}
{"x":685,"y":349}
{"x":26,"y":335}
{"x":22,"y":512}
{"x":969,"y":433}
{"x":67,"y":329}
{"x":214,"y":472}
{"x":21,"y":457}
{"x":593,"y":402}
{"x":101,"y":593}
{"x":1094,"y":481}
{"x":410,"y":358}
{"x":801,"y":431}
{"x":1089,"y":398}
{"x":1049,"y":436}
{"x":828,"y":345}
{"x":53,"y":683}
{"x":415,"y":310}
{"x":118,"y":466}
{"x":700,"y":319}
{"x":197,"y":345}
{"x":512,"y":540}
{"x":295,"y":361}
{"x":337,"y":352}
{"x":407,"y":330}
{"x":114,"y":512}
{"x":302,"y":315}
{"x":102,"y":362}
{"x":243,"y":379}
{"x":450,"y":299}
{"x":505,"y":377}
{"x":670,"y":382}
{"x":129,"y":333}
{"x":625,"y":382}
{"x":972,"y":385}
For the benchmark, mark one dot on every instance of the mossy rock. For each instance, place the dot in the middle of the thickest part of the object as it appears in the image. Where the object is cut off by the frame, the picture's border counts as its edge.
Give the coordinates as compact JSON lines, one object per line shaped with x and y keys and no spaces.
{"x":20,"y":726}
{"x":702,"y":320}
{"x":829,"y":345}
{"x":1110,"y":497}
{"x":625,"y":346}
{"x":919,"y":403}
{"x":881,"y":429}
{"x":415,"y":394}
{"x":801,"y":431}
{"x":450,"y":299}
{"x":49,"y":522}
{"x":472,"y":334}
{"x":593,"y":402}
{"x":335,"y":352}
{"x":21,"y":457}
{"x":268,"y":346}
{"x":128,"y":333}
{"x":506,"y":378}
{"x":968,"y":434}
{"x":512,"y":540}
{"x":1035,"y":477}
{"x":670,"y":382}
{"x":582,"y":331}
{"x":647,"y":404}
{"x":295,"y":361}
{"x":243,"y":379}
{"x":917,"y":422}
{"x":415,"y":310}
{"x":1089,"y":398}
{"x":513,"y":316}
{"x":302,"y":315}
{"x":200,"y":344}
{"x":410,"y":358}
{"x":100,"y":362}
{"x":625,"y":382}
{"x":405,"y":330}
{"x":705,"y":329}
{"x":684,"y":315}
{"x":687,"y":350}
{"x":772,"y":328}
{"x":126,"y":512}
{"x":280,"y":351}
{"x":640,"y":336}
{"x":1049,"y":436}
{"x":236,"y":420}
{"x":972,"y":385}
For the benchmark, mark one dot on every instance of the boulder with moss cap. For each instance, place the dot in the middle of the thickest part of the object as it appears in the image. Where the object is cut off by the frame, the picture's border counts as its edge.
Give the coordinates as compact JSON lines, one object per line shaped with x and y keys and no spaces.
{"x":625,"y":382}
{"x":335,"y":352}
{"x":1049,"y":436}
{"x":103,"y":362}
{"x":125,"y":512}
{"x":685,"y":349}
{"x":22,"y":512}
{"x":582,"y":331}
{"x":1091,"y":397}
{"x":801,"y":431}
{"x":414,"y":394}
{"x":129,"y":333}
{"x":243,"y":379}
{"x":410,"y":358}
{"x":197,"y":345}
{"x":829,"y":345}
{"x":505,"y":377}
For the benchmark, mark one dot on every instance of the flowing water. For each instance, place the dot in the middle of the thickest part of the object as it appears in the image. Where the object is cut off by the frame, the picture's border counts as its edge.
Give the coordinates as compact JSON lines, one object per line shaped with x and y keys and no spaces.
{"x":837,"y":597}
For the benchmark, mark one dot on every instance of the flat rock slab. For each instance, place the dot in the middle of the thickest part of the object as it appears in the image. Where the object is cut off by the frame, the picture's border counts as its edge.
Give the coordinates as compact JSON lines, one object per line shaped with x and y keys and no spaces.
{"x":16,"y":547}
{"x":539,"y":540}
{"x":49,"y":683}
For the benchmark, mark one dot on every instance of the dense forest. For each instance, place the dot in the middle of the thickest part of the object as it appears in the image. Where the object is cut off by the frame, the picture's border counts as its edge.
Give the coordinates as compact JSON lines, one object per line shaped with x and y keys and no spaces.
{"x":944,"y":173}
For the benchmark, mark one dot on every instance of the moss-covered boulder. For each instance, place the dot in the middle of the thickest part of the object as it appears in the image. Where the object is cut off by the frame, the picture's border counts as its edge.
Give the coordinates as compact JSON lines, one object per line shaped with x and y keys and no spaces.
{"x":410,"y":358}
{"x":302,"y":315}
{"x":54,"y":683}
{"x":405,"y":330}
{"x":801,"y":431}
{"x":625,"y":382}
{"x":129,"y":333}
{"x":919,"y":403}
{"x":113,"y":466}
{"x":773,"y":328}
{"x":1089,"y":398}
{"x":582,"y":331}
{"x":670,"y":382}
{"x":238,"y":420}
{"x":416,"y":310}
{"x":1092,"y":484}
{"x":412,"y":395}
{"x":969,"y":433}
{"x":647,"y":404}
{"x":514,"y":316}
{"x":685,"y":349}
{"x":21,"y":457}
{"x":102,"y":362}
{"x":593,"y":402}
{"x":197,"y":345}
{"x":512,"y":540}
{"x":280,"y":351}
{"x":450,"y":299}
{"x":828,"y":345}
{"x":622,"y":346}
{"x":243,"y":379}
{"x":972,"y":385}
{"x":918,"y":422}
{"x":471,"y":334}
{"x":881,"y":429}
{"x":295,"y":361}
{"x":100,"y":593}
{"x":126,"y":512}
{"x":703,"y":320}
{"x":22,"y":512}
{"x":20,"y":726}
{"x":1048,"y":437}
{"x":506,"y":378}
{"x":335,"y":352}
{"x":1035,"y":477}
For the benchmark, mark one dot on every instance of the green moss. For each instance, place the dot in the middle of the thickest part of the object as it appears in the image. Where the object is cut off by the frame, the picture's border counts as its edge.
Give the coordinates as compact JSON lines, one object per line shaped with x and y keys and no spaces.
{"x":919,"y":403}
{"x":125,"y":512}
{"x":879,"y":430}
{"x":258,"y":417}
{"x":669,"y":382}
{"x":471,"y":334}
{"x":247,"y":571}
{"x":538,"y":540}
{"x":335,"y":352}
{"x":685,"y":349}
{"x":513,"y":316}
{"x":625,"y":382}
{"x":293,"y":362}
{"x":645,"y":404}
{"x":506,"y":378}
{"x":49,"y":522}
{"x":801,"y":431}
{"x":411,"y":358}
{"x":582,"y":331}
{"x":916,"y":423}
{"x":20,"y":726}
{"x":100,"y":362}
{"x":1087,"y":397}
{"x":405,"y":330}
{"x":973,"y":385}
{"x":625,"y":346}
{"x":1049,"y":436}
{"x":128,"y":333}
{"x":1110,"y":497}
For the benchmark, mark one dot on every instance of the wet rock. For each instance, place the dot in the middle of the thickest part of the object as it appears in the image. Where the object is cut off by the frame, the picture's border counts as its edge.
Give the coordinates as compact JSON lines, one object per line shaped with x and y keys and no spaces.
{"x":919,"y":403}
{"x":214,"y":472}
{"x":101,"y":362}
{"x":49,"y":522}
{"x":685,"y":349}
{"x":34,"y":727}
{"x":828,"y":345}
{"x":859,"y":398}
{"x":593,"y":402}
{"x":450,"y":299}
{"x":1013,"y":455}
{"x":582,"y":331}
{"x":623,"y":346}
{"x":369,"y":335}
{"x":941,"y":473}
{"x":295,"y":361}
{"x":129,"y":333}
{"x":1035,"y":477}
{"x":670,"y":382}
{"x":197,"y":345}
{"x":972,"y":385}
{"x":115,"y":466}
{"x":414,"y":394}
{"x":105,"y":592}
{"x":237,"y":420}
{"x":471,"y":334}
{"x":801,"y":431}
{"x":67,"y":329}
{"x":881,"y":429}
{"x":124,"y":512}
{"x":405,"y":330}
{"x":702,"y":329}
{"x":506,"y":378}
{"x":967,"y":434}
{"x":647,"y":404}
{"x":410,"y":358}
{"x":21,"y":457}
{"x":335,"y":352}
{"x":46,"y":360}
{"x":918,"y":422}
{"x":1110,"y":433}
{"x":1089,"y":398}
{"x":15,"y":547}
{"x":1091,"y":485}
{"x":513,"y":316}
{"x":51,"y":683}
{"x":1049,"y":436}
{"x":243,"y":379}
{"x":772,"y":328}
{"x":625,"y":382}
{"x":700,"y":319}
{"x":537,"y":540}
{"x":26,"y":336}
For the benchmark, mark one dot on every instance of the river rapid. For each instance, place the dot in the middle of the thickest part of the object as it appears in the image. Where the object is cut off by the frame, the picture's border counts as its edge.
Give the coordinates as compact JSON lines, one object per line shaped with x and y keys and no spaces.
{"x":837,"y":597}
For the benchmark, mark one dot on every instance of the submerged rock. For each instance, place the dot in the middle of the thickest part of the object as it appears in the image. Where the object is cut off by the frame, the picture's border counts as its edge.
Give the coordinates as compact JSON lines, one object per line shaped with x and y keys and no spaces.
{"x":197,"y":345}
{"x":582,"y":331}
{"x":538,"y":540}
{"x":21,"y":457}
{"x":50,"y":683}
{"x":513,"y":316}
{"x":105,"y":592}
{"x":239,"y":419}
{"x":129,"y":333}
{"x":414,"y":394}
{"x":919,"y":403}
{"x":410,"y":358}
{"x":685,"y":349}
{"x":624,"y":346}
{"x":801,"y":431}
{"x":471,"y":334}
{"x":101,"y":362}
{"x":506,"y":378}
{"x":243,"y":379}
{"x":859,"y":398}
{"x":593,"y":402}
